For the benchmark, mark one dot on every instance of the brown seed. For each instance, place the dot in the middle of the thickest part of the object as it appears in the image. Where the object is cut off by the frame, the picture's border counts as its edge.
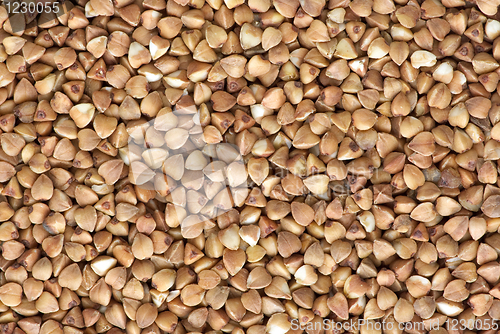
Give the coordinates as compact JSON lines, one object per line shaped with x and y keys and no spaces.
{"x":11,"y":294}
{"x":338,"y":304}
{"x":413,"y":177}
{"x":43,"y":188}
{"x":192,"y":295}
{"x":47,"y":303}
{"x":64,"y":58}
{"x":489,"y":206}
{"x":146,"y":315}
{"x":288,"y":244}
{"x":258,"y":278}
{"x":222,"y":101}
{"x":115,"y":315}
{"x":302,"y":213}
{"x":478,"y":106}
{"x":403,"y":310}
{"x":70,"y":277}
{"x":12,"y":143}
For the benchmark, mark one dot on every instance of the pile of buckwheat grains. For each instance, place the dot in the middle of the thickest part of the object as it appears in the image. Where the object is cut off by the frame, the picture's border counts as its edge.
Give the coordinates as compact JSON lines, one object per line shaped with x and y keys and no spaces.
{"x":241,"y":166}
